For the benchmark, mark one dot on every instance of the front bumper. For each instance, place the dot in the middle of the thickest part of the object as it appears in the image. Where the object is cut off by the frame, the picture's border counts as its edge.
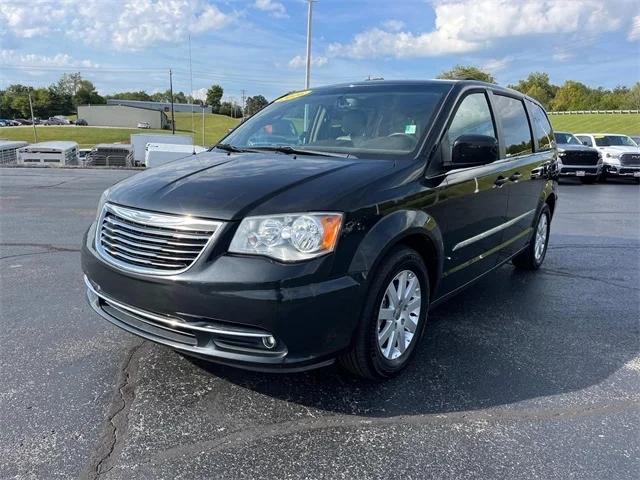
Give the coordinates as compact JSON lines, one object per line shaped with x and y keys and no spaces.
{"x":622,"y":170}
{"x":572,"y":170}
{"x":222,"y":310}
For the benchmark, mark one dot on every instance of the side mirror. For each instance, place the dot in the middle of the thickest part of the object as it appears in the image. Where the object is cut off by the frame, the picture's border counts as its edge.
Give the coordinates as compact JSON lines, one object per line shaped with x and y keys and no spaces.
{"x":473,"y":150}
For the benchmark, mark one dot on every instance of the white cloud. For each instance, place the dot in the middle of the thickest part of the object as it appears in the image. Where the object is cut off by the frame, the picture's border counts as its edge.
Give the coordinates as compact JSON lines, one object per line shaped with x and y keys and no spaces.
{"x":495,"y":65}
{"x":300,"y":62}
{"x":13,"y":58}
{"x":200,"y":94}
{"x":393,"y":25}
{"x":468,"y":25}
{"x":275,"y":9}
{"x":634,"y":33}
{"x":122,"y":24}
{"x":561,"y":55}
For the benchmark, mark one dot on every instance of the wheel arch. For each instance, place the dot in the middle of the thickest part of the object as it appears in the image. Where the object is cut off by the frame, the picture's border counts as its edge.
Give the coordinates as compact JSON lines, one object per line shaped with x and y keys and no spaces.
{"x":412,"y":228}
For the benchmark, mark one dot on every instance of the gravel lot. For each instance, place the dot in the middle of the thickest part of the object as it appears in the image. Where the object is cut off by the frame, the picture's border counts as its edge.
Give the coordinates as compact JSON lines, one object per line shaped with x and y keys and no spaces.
{"x":526,"y":375}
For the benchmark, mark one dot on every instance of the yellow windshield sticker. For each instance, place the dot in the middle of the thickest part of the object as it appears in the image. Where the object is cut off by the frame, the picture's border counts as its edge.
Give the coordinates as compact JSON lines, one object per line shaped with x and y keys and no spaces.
{"x":293,"y":96}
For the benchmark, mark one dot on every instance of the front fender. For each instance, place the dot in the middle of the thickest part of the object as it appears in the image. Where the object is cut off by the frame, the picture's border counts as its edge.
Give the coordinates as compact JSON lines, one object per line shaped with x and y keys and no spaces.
{"x":393,"y":229}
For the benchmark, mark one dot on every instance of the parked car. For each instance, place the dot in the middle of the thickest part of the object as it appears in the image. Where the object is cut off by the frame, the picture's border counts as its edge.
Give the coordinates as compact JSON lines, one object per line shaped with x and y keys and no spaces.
{"x":287,"y":256}
{"x":55,"y":121}
{"x":620,"y":154}
{"x":144,"y":125}
{"x":576,"y":159}
{"x":81,"y":122}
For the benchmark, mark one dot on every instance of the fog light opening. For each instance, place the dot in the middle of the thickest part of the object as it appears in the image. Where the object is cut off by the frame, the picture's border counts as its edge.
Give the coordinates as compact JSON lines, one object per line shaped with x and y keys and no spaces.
{"x":269,"y":342}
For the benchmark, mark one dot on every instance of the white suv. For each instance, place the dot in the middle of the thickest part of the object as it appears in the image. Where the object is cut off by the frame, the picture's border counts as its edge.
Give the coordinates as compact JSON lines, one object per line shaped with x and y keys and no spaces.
{"x":620,"y":154}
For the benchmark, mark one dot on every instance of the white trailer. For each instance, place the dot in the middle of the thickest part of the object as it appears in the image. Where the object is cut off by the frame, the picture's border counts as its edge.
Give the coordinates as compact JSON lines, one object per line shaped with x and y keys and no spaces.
{"x":9,"y":151}
{"x":139,"y":142}
{"x":161,"y":153}
{"x":49,"y":153}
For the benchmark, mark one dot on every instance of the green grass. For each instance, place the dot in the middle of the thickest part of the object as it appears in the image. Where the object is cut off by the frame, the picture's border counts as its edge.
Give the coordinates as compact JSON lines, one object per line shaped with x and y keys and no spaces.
{"x":215,"y":127}
{"x":626,"y":123}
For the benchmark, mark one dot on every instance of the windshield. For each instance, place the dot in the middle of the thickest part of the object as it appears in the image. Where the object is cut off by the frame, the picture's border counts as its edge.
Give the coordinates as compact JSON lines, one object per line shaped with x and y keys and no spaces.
{"x":614,"y":141}
{"x":368,"y":121}
{"x":567,"y":139}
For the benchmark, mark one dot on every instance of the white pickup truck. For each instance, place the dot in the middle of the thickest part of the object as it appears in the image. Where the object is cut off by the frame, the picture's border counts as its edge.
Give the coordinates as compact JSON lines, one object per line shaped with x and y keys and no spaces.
{"x":620,"y":154}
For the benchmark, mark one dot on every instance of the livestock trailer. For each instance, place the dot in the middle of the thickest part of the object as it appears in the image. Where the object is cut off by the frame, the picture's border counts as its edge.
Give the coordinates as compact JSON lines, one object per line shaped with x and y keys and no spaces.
{"x":9,"y":151}
{"x":56,"y":153}
{"x":111,"y":155}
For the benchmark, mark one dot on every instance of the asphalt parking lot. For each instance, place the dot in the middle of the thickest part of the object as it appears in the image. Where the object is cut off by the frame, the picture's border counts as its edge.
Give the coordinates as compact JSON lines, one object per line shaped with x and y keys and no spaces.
{"x":527,"y":375}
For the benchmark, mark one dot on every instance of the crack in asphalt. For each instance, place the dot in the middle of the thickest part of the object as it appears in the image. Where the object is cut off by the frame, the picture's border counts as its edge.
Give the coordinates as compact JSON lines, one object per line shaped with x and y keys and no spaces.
{"x":560,"y":273}
{"x":117,"y":421}
{"x":50,"y":248}
{"x":323,"y":423}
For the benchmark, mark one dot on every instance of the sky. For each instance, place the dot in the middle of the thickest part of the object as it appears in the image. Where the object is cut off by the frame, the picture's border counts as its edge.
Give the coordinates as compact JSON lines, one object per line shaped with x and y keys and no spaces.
{"x":259,"y":45}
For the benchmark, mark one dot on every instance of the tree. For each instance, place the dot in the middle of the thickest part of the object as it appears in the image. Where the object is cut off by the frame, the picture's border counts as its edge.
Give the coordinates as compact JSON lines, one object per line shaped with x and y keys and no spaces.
{"x":140,"y":95}
{"x":255,"y":104}
{"x":68,"y":84}
{"x":572,"y":95}
{"x":230,"y":109}
{"x":538,"y":86}
{"x":214,"y":95}
{"x":467,"y":72}
{"x":87,"y":95}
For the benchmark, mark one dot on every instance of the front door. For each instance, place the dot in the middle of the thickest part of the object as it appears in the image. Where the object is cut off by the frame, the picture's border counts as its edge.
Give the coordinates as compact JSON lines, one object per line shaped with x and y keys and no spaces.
{"x":473,"y":203}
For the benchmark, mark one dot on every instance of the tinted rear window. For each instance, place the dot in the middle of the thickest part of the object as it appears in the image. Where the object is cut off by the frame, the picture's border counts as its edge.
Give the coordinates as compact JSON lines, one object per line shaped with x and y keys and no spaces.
{"x":515,"y":125}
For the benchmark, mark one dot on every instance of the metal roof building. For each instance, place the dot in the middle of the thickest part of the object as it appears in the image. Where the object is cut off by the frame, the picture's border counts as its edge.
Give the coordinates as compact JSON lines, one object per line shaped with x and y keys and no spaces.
{"x":122,"y":116}
{"x":162,"y":106}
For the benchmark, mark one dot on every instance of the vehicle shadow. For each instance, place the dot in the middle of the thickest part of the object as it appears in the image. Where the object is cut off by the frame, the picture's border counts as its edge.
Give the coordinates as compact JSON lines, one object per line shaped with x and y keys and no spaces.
{"x":506,"y":340}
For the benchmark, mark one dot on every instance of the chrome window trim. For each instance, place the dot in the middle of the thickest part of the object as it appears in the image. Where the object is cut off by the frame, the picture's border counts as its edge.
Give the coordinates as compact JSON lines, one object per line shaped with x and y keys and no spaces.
{"x":492,"y":231}
{"x":185,"y":223}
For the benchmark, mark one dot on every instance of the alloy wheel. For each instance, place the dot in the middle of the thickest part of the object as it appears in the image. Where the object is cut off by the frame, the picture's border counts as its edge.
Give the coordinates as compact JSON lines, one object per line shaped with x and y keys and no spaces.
{"x":399,"y":314}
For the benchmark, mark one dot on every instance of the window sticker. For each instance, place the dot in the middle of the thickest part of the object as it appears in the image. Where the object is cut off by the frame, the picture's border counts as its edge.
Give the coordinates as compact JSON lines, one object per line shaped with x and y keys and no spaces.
{"x":410,"y":129}
{"x":293,"y":96}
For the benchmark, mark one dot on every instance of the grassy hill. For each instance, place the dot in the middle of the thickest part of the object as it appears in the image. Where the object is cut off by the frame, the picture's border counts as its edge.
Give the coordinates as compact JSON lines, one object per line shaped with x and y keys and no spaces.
{"x":215,"y":127}
{"x":628,"y":124}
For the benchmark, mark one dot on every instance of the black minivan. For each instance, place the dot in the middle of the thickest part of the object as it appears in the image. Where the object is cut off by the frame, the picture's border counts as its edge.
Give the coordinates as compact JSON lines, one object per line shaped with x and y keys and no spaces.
{"x":325,"y":226}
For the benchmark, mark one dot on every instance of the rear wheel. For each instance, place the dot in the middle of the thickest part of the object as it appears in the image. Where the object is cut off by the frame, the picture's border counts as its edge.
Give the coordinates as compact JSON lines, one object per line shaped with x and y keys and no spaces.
{"x":533,"y":256}
{"x":393,"y":318}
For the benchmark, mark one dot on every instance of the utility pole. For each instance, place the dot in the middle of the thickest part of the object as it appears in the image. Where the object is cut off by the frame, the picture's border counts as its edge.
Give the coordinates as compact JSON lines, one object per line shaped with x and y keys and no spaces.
{"x":243,"y":102}
{"x":307,"y":80}
{"x":173,"y":119}
{"x":33,"y":121}
{"x":203,"y":144}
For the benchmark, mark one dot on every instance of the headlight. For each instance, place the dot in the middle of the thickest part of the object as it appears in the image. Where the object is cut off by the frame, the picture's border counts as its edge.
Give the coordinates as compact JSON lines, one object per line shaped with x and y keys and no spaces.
{"x":613,"y":155}
{"x":289,"y":237}
{"x":103,"y":199}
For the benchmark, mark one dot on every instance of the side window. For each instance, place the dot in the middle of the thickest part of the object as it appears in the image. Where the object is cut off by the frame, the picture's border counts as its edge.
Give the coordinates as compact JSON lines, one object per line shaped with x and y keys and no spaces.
{"x":473,"y":117}
{"x":515,"y":125}
{"x":585,"y":140}
{"x":541,"y":127}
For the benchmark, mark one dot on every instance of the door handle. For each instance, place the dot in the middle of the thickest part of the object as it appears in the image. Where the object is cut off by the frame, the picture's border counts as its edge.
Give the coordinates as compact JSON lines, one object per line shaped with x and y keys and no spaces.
{"x":500,"y":181}
{"x":515,"y":177}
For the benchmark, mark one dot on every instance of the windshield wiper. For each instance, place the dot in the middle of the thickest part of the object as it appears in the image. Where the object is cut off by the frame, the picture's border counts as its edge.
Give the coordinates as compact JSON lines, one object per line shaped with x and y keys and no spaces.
{"x":302,"y":151}
{"x":227,"y":147}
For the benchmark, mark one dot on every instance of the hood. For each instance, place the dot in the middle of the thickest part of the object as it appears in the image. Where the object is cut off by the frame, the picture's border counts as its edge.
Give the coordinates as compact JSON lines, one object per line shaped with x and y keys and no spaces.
{"x":620,"y":149}
{"x":572,"y":147}
{"x":226,"y":187}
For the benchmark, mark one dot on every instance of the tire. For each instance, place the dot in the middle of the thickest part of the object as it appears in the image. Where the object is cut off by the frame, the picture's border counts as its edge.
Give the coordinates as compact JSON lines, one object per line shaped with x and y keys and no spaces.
{"x":528,"y":259}
{"x":367,"y":358}
{"x":588,"y":180}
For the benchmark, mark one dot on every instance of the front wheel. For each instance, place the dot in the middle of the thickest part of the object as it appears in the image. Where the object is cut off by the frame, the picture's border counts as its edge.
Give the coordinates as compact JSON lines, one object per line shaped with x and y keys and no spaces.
{"x":393,"y":318}
{"x":533,"y":256}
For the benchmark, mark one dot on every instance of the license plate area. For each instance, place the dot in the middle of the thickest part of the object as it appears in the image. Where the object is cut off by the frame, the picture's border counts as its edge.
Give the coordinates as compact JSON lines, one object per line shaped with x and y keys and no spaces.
{"x":580,"y":173}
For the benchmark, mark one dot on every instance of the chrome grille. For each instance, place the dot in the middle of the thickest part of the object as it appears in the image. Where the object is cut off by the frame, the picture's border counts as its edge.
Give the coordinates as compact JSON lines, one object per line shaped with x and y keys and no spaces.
{"x":147,"y":242}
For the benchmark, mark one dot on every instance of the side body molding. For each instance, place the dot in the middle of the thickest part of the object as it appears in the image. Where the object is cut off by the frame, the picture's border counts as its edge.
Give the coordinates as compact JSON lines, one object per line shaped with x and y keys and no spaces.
{"x":392,"y":229}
